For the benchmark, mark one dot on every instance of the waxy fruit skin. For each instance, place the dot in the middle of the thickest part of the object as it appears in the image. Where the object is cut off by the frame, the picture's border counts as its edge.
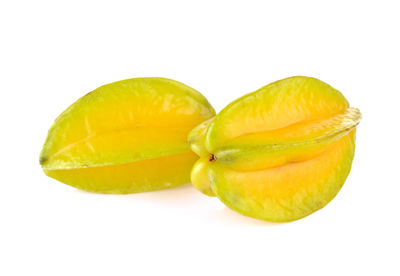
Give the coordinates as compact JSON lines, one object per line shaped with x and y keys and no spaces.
{"x":279,"y":153}
{"x":125,"y":137}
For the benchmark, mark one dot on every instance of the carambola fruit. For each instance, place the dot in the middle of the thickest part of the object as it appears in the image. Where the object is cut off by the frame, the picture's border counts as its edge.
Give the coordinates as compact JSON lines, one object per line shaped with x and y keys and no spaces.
{"x":279,"y":153}
{"x":125,"y":137}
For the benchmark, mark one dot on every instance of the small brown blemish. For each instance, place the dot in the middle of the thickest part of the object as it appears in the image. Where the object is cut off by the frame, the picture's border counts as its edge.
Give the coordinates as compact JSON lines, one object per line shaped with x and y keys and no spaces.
{"x":42,"y":160}
{"x":212,"y":158}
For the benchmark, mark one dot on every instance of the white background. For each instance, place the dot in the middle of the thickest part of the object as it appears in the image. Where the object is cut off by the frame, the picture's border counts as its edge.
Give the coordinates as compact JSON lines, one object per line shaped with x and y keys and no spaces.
{"x":53,"y":52}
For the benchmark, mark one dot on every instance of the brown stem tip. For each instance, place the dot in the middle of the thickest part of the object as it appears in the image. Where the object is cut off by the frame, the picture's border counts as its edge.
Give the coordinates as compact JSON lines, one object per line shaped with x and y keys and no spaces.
{"x":212,"y":158}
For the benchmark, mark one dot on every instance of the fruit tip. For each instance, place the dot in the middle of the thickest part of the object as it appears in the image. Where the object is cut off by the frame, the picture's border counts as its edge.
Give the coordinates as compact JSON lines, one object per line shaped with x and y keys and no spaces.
{"x":42,"y":160}
{"x":212,"y":158}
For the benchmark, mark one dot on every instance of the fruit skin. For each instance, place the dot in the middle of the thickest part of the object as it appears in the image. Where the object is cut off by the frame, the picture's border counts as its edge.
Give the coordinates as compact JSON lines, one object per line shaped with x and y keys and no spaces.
{"x":312,"y":184}
{"x":280,"y":153}
{"x":123,"y":129}
{"x":262,"y":110}
{"x":134,"y":177}
{"x":197,"y":137}
{"x":199,"y":176}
